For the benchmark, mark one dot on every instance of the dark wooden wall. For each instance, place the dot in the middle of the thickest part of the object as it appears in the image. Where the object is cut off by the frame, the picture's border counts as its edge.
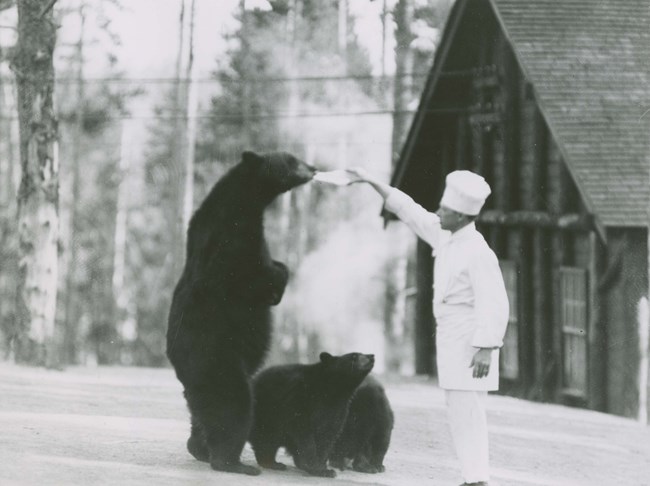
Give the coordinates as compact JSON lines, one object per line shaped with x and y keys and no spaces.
{"x":504,"y":137}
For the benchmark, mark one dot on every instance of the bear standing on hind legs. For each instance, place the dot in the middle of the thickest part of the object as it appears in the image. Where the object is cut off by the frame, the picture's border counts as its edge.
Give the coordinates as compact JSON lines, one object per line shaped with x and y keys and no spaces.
{"x":220,"y":322}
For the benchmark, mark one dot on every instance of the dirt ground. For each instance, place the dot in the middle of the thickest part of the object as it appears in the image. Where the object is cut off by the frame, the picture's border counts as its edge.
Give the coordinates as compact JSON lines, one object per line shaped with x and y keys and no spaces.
{"x":128,"y":426}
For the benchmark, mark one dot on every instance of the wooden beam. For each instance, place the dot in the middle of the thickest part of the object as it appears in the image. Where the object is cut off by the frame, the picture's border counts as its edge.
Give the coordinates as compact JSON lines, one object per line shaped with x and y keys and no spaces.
{"x":558,"y":259}
{"x":511,"y":127}
{"x":461,"y":143}
{"x":596,"y":334}
{"x":485,"y":76}
{"x":537,"y":219}
{"x":542,"y":312}
{"x":424,"y":333}
{"x":519,"y":250}
{"x":487,"y":119}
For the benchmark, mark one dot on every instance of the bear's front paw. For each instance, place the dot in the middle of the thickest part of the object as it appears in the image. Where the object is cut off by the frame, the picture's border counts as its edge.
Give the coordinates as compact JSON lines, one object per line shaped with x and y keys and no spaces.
{"x":279,"y":277}
{"x":234,"y":467}
{"x":362,"y":464}
{"x":278,"y":466}
{"x":323,"y":473}
{"x":367,"y":468}
{"x":280,"y":274}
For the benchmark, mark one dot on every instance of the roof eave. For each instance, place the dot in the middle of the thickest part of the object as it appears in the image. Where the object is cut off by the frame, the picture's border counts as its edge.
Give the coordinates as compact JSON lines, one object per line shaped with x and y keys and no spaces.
{"x":429,"y":88}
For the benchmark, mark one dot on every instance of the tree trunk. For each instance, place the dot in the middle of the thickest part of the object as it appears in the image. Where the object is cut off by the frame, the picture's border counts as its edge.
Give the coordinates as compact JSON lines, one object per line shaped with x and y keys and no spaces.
{"x":343,"y":28}
{"x":403,"y":66}
{"x":246,"y":133}
{"x":6,"y":180}
{"x":191,"y":106}
{"x":176,"y":166}
{"x":185,"y":103}
{"x":396,"y":279}
{"x":122,"y":301}
{"x":71,"y":314}
{"x":38,"y":213}
{"x":384,"y":37}
{"x":397,"y":264}
{"x":7,"y":219}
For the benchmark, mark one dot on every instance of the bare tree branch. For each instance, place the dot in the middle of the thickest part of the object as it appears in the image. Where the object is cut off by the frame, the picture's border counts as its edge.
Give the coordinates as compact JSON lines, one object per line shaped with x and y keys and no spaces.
{"x":47,"y":8}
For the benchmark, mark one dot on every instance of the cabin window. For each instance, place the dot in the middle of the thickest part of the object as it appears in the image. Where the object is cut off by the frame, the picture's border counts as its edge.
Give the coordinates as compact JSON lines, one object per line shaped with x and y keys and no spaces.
{"x":573,"y":295}
{"x":510,"y":350}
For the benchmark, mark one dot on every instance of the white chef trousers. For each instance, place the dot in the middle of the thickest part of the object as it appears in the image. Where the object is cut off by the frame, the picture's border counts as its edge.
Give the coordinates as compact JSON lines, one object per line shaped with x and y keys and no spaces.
{"x":468,"y":425}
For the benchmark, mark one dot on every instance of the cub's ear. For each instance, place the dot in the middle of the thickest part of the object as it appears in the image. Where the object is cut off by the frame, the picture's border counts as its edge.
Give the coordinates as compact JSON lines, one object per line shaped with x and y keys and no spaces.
{"x":249,"y":157}
{"x":325,"y":357}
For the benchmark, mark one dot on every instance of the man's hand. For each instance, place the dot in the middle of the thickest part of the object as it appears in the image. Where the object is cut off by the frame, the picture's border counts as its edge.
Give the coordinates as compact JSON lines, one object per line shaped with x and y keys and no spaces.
{"x":359,"y":174}
{"x":481,"y":362}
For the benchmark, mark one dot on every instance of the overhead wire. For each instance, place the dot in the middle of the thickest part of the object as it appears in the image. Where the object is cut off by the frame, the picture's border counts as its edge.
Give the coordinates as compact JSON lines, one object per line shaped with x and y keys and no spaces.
{"x":253,"y":79}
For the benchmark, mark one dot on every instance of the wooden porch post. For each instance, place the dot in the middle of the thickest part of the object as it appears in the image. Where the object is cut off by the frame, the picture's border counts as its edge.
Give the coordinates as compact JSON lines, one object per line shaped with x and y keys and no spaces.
{"x":424,"y":335}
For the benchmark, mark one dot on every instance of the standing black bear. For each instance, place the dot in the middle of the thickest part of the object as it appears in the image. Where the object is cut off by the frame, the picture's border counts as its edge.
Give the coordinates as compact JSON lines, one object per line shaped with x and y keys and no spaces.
{"x":219,"y":322}
{"x":366,"y":435}
{"x":303,"y":408}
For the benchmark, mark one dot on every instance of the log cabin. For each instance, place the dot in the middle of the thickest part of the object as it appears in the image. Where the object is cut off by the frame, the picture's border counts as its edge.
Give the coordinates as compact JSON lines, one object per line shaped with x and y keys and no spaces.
{"x":549,"y":101}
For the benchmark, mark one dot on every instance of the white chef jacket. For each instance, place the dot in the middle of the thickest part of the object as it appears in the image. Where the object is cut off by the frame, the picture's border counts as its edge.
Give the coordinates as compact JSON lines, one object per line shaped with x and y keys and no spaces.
{"x":470,"y":301}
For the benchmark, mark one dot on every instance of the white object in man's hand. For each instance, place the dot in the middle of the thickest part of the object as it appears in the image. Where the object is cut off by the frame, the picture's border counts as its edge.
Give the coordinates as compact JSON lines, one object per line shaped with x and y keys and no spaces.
{"x":358,"y":174}
{"x":336,"y":177}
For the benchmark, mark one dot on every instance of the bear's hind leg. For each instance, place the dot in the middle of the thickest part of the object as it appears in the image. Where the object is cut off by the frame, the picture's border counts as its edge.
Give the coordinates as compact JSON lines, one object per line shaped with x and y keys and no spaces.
{"x":362,"y":464}
{"x":307,"y":457}
{"x":265,"y":457}
{"x":197,"y":445}
{"x":378,"y":448}
{"x":223,"y":408}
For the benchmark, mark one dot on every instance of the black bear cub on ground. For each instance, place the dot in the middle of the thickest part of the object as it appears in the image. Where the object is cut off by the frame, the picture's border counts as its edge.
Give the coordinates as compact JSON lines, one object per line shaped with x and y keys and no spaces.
{"x":366,"y":435}
{"x":219,"y":322}
{"x":303,"y":408}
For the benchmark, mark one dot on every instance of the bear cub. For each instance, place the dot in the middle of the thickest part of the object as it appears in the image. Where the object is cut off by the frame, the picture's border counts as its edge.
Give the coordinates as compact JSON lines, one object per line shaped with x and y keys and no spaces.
{"x":303,"y":408}
{"x":219,"y":324}
{"x":366,"y":435}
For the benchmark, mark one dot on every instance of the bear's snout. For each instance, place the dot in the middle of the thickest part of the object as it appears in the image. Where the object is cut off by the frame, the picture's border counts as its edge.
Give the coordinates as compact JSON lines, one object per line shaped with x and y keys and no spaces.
{"x":367,"y":361}
{"x":307,"y":171}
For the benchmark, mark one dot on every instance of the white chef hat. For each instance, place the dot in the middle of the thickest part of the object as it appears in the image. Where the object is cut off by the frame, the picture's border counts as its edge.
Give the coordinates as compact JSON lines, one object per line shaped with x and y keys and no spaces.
{"x":465,"y":192}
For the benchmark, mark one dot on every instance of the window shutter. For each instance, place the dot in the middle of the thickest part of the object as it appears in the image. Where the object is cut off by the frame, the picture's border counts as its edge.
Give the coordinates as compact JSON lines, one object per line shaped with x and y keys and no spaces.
{"x":573,"y":295}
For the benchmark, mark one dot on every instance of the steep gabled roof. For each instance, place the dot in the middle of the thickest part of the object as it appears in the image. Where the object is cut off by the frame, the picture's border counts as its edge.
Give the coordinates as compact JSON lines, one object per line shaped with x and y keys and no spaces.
{"x":589,"y":64}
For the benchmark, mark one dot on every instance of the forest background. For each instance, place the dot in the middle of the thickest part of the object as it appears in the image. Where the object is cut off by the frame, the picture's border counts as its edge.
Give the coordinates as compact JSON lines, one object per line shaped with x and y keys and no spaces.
{"x":154,"y":101}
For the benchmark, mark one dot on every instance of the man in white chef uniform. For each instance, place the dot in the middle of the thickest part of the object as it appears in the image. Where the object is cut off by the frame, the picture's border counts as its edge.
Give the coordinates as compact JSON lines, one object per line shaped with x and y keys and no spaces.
{"x":470,"y":306}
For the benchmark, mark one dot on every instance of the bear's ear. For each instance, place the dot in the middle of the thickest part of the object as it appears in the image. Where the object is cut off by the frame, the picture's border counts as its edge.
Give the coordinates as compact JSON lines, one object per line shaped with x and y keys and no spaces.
{"x":249,"y":157}
{"x":325,"y":357}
